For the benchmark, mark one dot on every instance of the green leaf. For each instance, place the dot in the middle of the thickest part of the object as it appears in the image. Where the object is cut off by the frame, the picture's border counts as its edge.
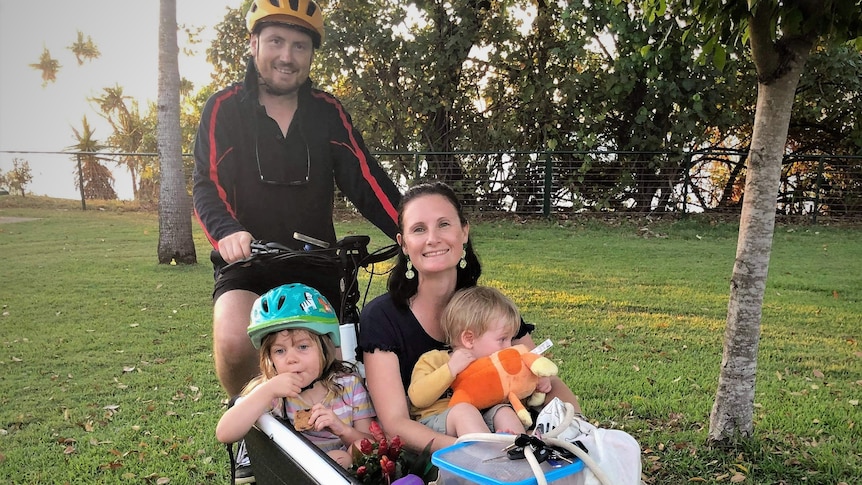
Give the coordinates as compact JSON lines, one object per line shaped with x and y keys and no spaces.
{"x":645,"y":50}
{"x":719,"y":57}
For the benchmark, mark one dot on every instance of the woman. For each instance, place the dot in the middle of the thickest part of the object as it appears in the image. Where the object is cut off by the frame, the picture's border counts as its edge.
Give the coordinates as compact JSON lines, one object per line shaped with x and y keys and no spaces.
{"x":436,"y":259}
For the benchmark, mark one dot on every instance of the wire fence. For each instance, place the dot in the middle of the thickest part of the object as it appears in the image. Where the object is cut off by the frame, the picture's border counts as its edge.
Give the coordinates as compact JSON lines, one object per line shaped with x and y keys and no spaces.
{"x":549,"y":183}
{"x":556,"y":184}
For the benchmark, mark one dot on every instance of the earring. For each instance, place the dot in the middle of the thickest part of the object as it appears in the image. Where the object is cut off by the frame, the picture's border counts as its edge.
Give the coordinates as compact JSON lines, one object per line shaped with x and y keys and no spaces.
{"x":409,"y":274}
{"x":463,"y":263}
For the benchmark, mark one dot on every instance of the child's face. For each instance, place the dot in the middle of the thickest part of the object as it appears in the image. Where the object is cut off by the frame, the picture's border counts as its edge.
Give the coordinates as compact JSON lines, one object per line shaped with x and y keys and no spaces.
{"x":296,"y":352}
{"x":497,"y":337}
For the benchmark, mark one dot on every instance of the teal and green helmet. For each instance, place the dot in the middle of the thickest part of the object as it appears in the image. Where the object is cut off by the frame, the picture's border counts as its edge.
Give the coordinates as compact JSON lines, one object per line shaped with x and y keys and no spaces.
{"x":292,"y":306}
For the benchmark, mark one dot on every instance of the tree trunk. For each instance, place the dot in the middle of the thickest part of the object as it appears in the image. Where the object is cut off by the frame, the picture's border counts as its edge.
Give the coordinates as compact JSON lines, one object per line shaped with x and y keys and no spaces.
{"x":779,"y":66}
{"x":175,"y":216}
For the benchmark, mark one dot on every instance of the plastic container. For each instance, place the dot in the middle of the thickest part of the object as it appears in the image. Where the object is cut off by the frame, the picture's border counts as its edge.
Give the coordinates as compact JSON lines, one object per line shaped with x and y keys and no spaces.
{"x":481,"y":462}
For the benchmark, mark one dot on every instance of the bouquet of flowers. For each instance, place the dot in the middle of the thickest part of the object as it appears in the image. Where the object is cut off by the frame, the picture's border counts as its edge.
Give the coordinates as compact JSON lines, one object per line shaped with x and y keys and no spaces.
{"x":381,"y":462}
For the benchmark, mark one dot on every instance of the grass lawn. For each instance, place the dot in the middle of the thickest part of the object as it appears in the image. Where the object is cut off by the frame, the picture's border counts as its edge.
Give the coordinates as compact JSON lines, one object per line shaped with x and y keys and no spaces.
{"x":106,"y":370}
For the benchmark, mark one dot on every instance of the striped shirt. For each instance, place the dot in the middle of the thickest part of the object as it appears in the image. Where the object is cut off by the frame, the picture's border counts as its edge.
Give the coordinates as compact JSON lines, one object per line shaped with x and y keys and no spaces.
{"x":350,"y":406}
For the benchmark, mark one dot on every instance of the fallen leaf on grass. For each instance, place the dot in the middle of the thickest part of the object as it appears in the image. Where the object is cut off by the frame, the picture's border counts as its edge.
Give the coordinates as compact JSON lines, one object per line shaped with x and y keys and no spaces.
{"x":816,"y":373}
{"x":739,"y":477}
{"x":696,"y":479}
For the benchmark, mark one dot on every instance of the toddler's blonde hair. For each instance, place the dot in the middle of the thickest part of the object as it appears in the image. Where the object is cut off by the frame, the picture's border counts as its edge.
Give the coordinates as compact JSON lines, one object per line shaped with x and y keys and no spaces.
{"x":473,"y":309}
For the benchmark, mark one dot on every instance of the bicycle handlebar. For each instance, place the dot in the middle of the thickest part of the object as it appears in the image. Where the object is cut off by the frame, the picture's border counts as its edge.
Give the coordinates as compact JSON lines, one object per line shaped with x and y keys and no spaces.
{"x":353,"y":247}
{"x":349,"y":254}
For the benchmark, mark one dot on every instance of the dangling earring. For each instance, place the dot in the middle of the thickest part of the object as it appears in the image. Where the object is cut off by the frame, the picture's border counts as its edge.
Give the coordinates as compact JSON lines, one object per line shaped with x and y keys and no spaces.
{"x":409,"y":274}
{"x":463,"y":263}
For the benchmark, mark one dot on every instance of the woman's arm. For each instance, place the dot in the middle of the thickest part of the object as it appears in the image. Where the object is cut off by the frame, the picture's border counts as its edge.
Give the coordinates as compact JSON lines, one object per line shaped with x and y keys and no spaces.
{"x":383,"y":379}
{"x":558,"y":387}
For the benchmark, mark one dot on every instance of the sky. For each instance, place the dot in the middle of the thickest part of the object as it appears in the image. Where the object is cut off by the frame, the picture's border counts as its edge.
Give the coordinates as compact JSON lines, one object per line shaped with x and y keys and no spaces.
{"x":33,"y":118}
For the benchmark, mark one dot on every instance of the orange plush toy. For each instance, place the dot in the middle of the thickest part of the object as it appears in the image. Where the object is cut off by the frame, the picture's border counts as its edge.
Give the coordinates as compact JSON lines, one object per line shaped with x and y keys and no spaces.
{"x":506,"y":375}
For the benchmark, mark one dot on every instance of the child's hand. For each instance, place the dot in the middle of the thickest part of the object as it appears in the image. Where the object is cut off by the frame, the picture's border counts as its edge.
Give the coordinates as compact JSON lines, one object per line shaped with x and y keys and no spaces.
{"x":459,"y":360}
{"x":544,"y":385}
{"x":323,"y":417}
{"x":285,"y":385}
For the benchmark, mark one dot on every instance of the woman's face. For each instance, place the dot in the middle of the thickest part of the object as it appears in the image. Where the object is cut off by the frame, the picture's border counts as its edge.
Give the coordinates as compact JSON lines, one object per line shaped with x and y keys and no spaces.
{"x":432,"y":235}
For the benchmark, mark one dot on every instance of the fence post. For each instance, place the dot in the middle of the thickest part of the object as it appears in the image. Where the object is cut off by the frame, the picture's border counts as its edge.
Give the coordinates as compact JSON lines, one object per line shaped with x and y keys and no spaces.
{"x":549,"y":177}
{"x":81,"y":182}
{"x":817,"y":187}
{"x":686,"y":182}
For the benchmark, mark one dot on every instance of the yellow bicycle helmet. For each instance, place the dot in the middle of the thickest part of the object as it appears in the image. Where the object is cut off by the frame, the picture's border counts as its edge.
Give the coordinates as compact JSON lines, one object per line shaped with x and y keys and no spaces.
{"x":305,"y":14}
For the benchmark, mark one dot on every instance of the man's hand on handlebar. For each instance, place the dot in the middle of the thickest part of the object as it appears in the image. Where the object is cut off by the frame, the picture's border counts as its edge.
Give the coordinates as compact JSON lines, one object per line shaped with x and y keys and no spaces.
{"x":235,"y":247}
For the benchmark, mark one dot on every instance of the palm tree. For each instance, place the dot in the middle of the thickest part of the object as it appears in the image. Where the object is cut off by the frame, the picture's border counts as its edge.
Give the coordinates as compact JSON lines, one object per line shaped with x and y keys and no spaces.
{"x":175,"y":209}
{"x":94,"y":180}
{"x":129,"y":129}
{"x":49,"y":67}
{"x":84,"y":50}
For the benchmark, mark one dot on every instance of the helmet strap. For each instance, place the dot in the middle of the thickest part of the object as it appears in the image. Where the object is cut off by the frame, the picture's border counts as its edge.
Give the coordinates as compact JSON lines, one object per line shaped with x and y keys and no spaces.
{"x":312,"y":384}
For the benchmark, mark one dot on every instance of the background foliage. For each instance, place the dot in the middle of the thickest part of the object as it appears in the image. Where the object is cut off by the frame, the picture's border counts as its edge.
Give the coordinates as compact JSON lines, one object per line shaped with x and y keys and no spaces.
{"x":482,"y":75}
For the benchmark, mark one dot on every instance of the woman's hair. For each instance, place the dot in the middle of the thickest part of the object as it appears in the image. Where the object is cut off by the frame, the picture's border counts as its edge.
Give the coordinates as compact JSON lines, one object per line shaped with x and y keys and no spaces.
{"x":474,"y":309}
{"x":331,"y":367}
{"x":402,"y":289}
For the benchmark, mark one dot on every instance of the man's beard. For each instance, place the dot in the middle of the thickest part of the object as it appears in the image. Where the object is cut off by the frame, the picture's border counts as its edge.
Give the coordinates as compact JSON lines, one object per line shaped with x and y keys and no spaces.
{"x":272,"y":89}
{"x":275,"y":90}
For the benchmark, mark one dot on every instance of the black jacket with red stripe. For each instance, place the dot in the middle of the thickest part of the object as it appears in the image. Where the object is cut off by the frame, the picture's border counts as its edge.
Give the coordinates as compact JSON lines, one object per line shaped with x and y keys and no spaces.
{"x":250,"y":177}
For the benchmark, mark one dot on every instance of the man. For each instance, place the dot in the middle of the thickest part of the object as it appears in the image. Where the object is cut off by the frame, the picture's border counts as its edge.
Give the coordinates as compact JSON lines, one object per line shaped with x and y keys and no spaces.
{"x":268,"y":154}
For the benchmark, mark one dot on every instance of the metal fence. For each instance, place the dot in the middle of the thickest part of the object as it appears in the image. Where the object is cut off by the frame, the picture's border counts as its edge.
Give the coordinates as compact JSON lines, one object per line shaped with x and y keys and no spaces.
{"x":556,"y":183}
{"x":549,"y":183}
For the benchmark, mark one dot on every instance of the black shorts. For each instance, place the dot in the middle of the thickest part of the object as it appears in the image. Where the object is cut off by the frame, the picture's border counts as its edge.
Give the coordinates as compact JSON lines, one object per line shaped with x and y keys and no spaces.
{"x":262,"y":276}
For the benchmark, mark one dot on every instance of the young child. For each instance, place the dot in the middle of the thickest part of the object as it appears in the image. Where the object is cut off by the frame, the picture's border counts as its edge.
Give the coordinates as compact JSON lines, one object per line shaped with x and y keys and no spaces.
{"x":477,"y":322}
{"x":296,"y":330}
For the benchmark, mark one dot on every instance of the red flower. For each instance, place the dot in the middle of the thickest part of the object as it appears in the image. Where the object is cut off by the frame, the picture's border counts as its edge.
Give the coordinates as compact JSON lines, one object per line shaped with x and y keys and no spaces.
{"x":382,"y":447}
{"x":377,"y":431}
{"x":361,"y":471}
{"x":395,"y":447}
{"x":387,"y":465}
{"x":365,"y":446}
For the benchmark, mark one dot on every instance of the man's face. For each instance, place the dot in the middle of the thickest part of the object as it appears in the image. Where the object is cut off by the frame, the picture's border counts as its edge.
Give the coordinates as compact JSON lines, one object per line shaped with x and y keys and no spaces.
{"x":283,"y":58}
